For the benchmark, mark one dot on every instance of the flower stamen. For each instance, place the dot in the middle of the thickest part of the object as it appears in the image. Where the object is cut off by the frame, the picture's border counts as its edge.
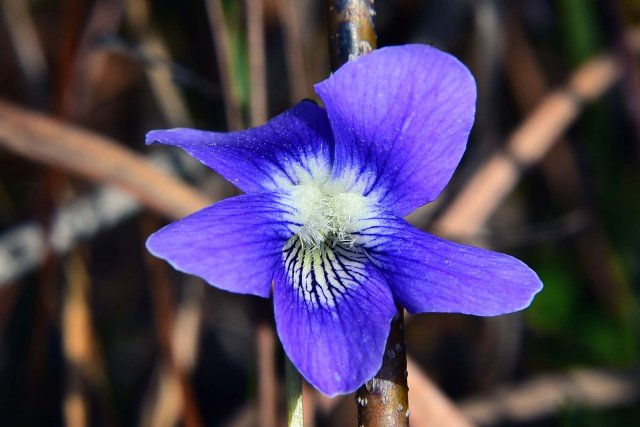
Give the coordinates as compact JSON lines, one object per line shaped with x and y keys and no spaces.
{"x":328,"y":217}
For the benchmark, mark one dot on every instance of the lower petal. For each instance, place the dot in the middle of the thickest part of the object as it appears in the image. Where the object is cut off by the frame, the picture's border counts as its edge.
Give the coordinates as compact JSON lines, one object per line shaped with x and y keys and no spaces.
{"x":234,"y":244}
{"x":430,"y":274}
{"x":333,"y":310}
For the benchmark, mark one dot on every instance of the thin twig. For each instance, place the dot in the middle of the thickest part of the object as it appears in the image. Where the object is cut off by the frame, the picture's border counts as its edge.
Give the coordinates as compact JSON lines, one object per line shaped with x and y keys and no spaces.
{"x":383,"y":400}
{"x":174,"y":397}
{"x":351,"y":31}
{"x":630,"y":69}
{"x":166,"y":94}
{"x":26,"y":45}
{"x":75,"y":98}
{"x":265,"y":337}
{"x":257,"y":67}
{"x":78,"y":98}
{"x":560,"y":170}
{"x":267,"y":375}
{"x":545,"y":395}
{"x":95,"y":157}
{"x":429,"y":405}
{"x":77,"y":341}
{"x":289,"y":14}
{"x":172,"y":401}
{"x":222,"y":45}
{"x":527,"y":145}
{"x":98,"y":158}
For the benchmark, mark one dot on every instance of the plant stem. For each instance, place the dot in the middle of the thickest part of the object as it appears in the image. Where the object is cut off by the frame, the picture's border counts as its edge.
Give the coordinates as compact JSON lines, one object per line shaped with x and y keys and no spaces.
{"x":351,"y":31}
{"x":295,"y":417}
{"x":383,"y":400}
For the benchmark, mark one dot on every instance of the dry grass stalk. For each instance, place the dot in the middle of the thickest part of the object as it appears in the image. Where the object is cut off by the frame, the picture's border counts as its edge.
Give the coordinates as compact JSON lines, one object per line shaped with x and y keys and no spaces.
{"x":98,"y":158}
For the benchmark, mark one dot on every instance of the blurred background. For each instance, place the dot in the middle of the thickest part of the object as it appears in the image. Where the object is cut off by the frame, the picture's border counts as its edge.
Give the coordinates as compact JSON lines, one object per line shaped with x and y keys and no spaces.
{"x":96,"y":332}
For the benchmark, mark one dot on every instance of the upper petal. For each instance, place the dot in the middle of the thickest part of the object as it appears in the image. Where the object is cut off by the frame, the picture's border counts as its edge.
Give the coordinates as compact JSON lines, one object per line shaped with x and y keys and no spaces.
{"x":333,"y":311}
{"x":234,"y":244}
{"x":291,"y":147}
{"x":401,"y":117}
{"x":430,"y":274}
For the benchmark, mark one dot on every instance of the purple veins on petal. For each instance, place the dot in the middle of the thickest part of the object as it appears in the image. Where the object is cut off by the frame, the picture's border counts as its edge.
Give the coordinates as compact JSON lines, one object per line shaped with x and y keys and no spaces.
{"x":333,"y":322}
{"x":430,"y":274}
{"x":234,"y":244}
{"x":401,"y":117}
{"x":322,"y":217}
{"x":291,"y":147}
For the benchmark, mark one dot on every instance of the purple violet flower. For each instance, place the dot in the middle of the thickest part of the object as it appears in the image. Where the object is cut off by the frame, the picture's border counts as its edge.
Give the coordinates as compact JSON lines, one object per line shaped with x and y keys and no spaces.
{"x":321,"y":219}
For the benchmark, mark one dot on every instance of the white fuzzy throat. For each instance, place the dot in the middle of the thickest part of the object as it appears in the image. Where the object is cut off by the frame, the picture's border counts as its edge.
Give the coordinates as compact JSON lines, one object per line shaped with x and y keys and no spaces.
{"x":327,"y":215}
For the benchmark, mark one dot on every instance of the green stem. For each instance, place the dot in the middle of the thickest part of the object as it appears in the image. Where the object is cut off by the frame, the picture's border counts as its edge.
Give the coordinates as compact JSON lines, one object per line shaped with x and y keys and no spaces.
{"x":295,"y":417}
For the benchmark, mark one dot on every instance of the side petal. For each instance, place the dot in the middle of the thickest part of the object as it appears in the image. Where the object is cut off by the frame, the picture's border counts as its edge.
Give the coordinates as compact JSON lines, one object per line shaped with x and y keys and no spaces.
{"x":401,"y":117}
{"x":430,"y":274}
{"x":333,"y":311}
{"x":293,"y":146}
{"x":234,"y":244}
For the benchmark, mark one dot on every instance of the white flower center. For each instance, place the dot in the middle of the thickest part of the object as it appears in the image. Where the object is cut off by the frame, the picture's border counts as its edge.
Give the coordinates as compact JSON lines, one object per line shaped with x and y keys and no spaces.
{"x":328,"y":215}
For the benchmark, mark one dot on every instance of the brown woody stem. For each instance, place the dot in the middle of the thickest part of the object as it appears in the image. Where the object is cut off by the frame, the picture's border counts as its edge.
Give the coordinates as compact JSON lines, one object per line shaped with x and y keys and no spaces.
{"x":383,"y":400}
{"x":351,"y":31}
